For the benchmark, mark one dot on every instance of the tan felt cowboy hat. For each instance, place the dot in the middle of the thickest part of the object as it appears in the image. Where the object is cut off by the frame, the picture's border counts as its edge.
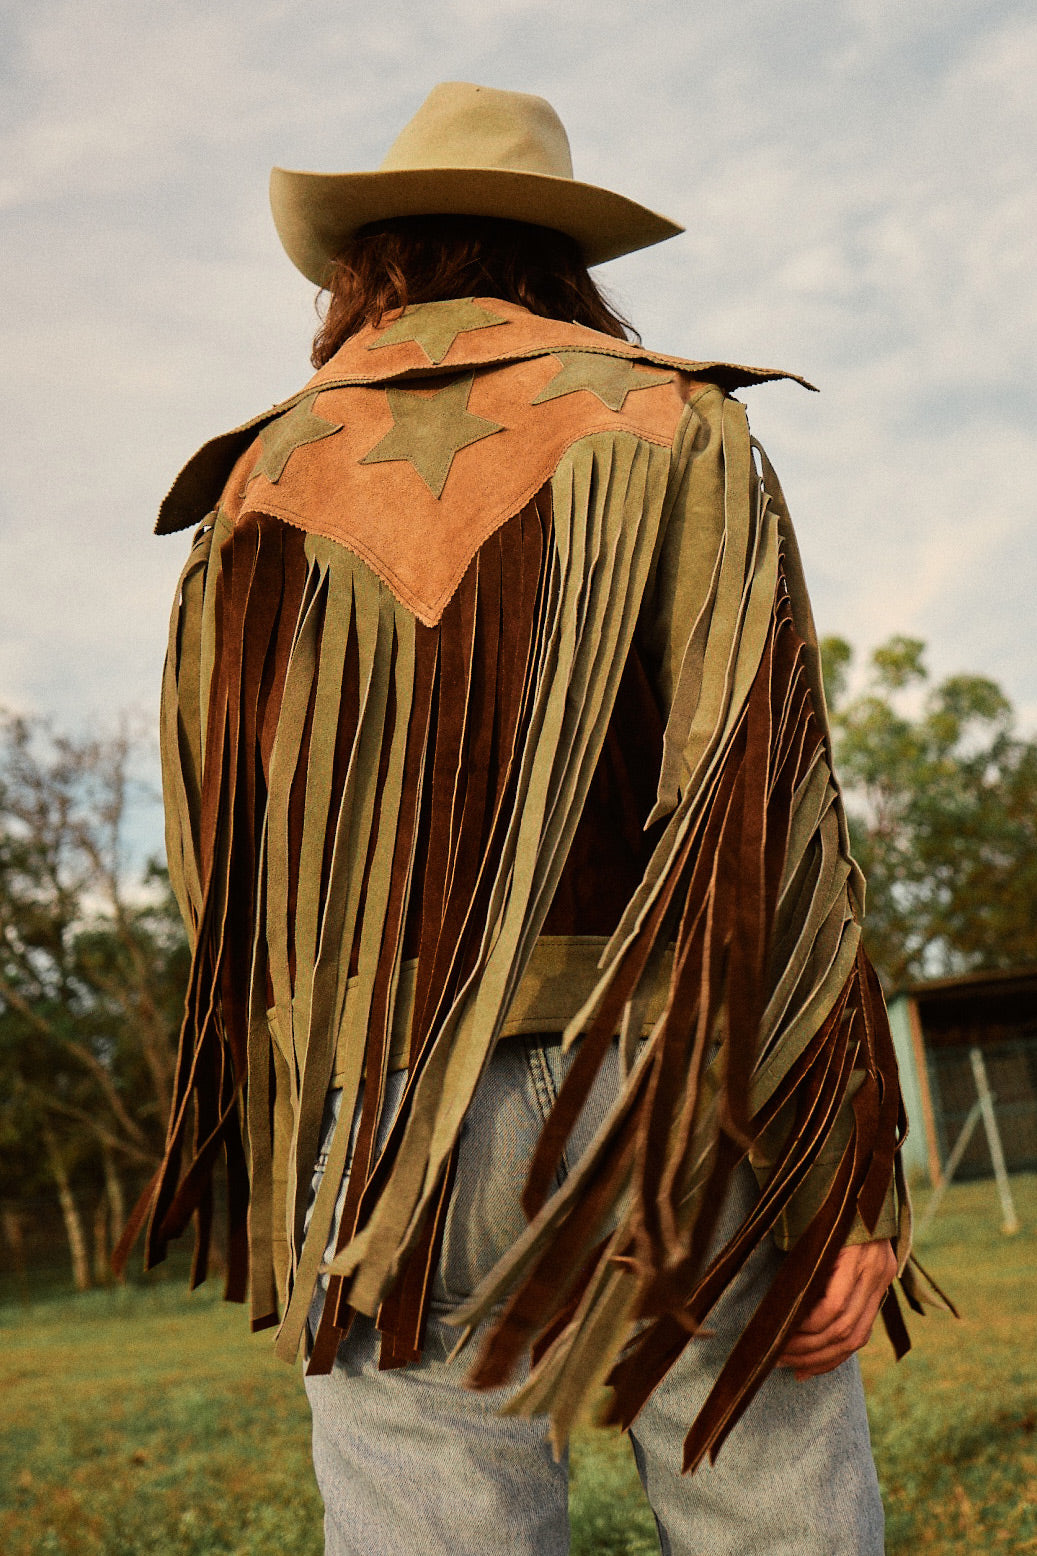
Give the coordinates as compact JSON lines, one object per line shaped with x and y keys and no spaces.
{"x":468,"y":151}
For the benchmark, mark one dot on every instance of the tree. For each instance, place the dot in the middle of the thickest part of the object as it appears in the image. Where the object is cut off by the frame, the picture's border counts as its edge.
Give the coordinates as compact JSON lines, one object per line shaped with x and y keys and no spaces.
{"x":942,"y":799}
{"x":93,"y":964}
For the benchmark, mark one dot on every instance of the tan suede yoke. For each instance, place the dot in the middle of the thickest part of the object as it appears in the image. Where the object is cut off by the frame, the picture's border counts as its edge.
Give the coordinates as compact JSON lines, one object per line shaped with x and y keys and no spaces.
{"x":449,"y":461}
{"x":424,"y":341}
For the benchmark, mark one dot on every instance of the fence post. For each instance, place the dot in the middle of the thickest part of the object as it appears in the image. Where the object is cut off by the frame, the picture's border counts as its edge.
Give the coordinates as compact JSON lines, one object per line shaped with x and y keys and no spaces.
{"x":950,"y":1166}
{"x":1010,"y":1223}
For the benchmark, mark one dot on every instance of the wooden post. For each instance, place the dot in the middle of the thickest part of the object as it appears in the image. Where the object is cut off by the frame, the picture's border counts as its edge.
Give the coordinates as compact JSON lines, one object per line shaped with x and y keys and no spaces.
{"x":950,"y":1166}
{"x":922,"y":1072}
{"x":12,"y":1220}
{"x":1010,"y":1221}
{"x":116,"y":1206}
{"x":70,"y":1212}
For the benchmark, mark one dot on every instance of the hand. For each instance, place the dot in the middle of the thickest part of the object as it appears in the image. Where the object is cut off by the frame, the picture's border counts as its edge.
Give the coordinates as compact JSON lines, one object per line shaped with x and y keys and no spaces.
{"x":841,"y":1322}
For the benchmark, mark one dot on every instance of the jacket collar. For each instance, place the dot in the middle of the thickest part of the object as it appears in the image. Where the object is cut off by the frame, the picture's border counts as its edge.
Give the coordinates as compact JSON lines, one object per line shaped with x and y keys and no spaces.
{"x":470,"y":332}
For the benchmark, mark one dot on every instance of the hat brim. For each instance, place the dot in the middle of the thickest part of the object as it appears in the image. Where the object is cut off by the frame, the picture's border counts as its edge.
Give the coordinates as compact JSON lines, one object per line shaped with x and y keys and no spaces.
{"x":315,"y":213}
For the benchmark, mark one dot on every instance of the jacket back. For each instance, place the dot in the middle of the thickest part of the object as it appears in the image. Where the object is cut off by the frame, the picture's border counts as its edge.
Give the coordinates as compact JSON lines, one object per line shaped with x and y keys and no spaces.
{"x":492,"y":704}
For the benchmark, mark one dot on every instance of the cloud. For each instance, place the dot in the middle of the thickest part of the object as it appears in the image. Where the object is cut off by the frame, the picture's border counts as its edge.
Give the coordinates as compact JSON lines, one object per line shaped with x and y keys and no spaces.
{"x":855,"y":178}
{"x":114,"y":94}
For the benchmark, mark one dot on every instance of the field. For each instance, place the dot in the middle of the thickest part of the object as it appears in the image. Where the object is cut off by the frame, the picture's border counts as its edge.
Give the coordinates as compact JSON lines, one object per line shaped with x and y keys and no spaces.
{"x":146,"y":1421}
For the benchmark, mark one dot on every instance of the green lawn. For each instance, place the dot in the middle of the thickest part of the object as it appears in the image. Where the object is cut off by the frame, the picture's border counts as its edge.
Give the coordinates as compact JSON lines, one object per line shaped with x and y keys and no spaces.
{"x":953,"y":1424}
{"x":147,"y":1421}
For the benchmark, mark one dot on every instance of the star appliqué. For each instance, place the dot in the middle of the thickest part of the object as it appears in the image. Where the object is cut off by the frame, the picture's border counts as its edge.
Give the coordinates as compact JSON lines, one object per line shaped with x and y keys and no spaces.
{"x":291,"y":431}
{"x":435,"y":326}
{"x":429,"y":429}
{"x":610,"y":378}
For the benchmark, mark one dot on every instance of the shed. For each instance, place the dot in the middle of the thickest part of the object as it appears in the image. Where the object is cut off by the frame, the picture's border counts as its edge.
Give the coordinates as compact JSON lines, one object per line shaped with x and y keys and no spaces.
{"x":936,"y":1026}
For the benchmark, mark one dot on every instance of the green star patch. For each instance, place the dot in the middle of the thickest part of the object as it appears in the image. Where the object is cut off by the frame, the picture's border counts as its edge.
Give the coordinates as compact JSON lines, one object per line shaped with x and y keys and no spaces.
{"x":429,"y":429}
{"x":610,"y":378}
{"x":435,"y":326}
{"x":291,"y":431}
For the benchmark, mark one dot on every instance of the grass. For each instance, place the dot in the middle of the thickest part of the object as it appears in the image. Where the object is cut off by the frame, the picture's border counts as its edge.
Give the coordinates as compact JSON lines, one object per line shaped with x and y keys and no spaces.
{"x":954,"y":1425}
{"x":147,"y":1420}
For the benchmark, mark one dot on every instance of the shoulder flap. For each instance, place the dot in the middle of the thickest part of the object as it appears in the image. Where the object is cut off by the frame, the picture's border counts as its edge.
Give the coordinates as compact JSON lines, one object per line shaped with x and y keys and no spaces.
{"x":414,"y":477}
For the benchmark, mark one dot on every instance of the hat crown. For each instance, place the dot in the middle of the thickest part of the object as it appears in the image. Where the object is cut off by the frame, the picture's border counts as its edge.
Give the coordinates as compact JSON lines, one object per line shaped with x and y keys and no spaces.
{"x":460,"y":125}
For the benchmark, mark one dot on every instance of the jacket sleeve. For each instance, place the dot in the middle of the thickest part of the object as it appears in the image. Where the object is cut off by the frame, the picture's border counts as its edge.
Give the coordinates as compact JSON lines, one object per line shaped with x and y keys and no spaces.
{"x":686,"y":593}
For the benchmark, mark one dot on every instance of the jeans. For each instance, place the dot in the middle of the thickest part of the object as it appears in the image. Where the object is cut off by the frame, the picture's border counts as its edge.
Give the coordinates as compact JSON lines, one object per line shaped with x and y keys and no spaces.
{"x":409,"y":1461}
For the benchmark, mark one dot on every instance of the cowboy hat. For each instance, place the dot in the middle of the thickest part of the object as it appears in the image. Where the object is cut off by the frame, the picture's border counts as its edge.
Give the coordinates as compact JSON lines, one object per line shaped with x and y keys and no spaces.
{"x":468,"y":151}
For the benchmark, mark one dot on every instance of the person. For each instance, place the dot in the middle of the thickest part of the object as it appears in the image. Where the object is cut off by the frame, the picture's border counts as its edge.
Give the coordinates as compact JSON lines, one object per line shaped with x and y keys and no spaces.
{"x":527,"y":1009}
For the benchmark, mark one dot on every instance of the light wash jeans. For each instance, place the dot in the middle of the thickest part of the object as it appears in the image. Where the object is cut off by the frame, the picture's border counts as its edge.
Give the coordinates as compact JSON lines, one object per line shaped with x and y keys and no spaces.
{"x":410,"y":1463}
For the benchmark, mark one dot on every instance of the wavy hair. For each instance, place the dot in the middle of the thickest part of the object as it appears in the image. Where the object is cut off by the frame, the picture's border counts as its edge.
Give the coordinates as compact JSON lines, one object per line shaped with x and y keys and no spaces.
{"x":422,"y":259}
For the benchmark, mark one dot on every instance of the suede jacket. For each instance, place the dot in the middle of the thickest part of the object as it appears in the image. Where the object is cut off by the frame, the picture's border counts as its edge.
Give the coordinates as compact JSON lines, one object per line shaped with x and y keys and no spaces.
{"x":493,"y":705}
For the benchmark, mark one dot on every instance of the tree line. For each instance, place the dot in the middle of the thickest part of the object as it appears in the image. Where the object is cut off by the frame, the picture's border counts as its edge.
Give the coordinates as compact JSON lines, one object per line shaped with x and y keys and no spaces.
{"x":93,"y":963}
{"x":941,"y":792}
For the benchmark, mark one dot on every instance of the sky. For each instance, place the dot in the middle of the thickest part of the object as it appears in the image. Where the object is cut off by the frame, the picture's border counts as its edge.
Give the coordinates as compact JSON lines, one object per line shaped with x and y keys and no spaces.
{"x":856,"y":179}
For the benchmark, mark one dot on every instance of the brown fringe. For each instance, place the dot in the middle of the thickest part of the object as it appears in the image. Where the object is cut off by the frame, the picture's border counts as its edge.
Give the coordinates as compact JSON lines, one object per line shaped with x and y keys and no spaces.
{"x":725,"y":881}
{"x":675,"y":1142}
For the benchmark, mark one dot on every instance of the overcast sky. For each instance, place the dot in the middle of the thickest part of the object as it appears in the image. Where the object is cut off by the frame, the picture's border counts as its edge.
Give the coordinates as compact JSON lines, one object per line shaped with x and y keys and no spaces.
{"x":856,"y":177}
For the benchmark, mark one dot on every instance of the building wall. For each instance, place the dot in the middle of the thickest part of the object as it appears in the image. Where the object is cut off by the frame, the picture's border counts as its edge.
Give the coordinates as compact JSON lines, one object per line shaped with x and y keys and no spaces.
{"x":915,"y":1151}
{"x":934,"y":1027}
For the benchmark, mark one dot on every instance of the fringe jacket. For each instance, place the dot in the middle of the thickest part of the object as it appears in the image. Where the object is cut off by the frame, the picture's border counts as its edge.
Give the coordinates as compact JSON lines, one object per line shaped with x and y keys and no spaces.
{"x":492,"y":704}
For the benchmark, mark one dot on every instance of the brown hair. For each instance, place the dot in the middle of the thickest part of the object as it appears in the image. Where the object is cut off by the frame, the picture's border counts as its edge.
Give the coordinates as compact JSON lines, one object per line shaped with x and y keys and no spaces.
{"x":423,"y":259}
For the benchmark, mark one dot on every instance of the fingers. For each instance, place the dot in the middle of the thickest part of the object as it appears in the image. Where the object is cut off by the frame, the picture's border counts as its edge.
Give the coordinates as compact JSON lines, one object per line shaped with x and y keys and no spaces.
{"x":860,"y":1270}
{"x":842,"y":1320}
{"x":843,"y":1285}
{"x":837,"y":1345}
{"x":820,"y":1353}
{"x":859,"y":1278}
